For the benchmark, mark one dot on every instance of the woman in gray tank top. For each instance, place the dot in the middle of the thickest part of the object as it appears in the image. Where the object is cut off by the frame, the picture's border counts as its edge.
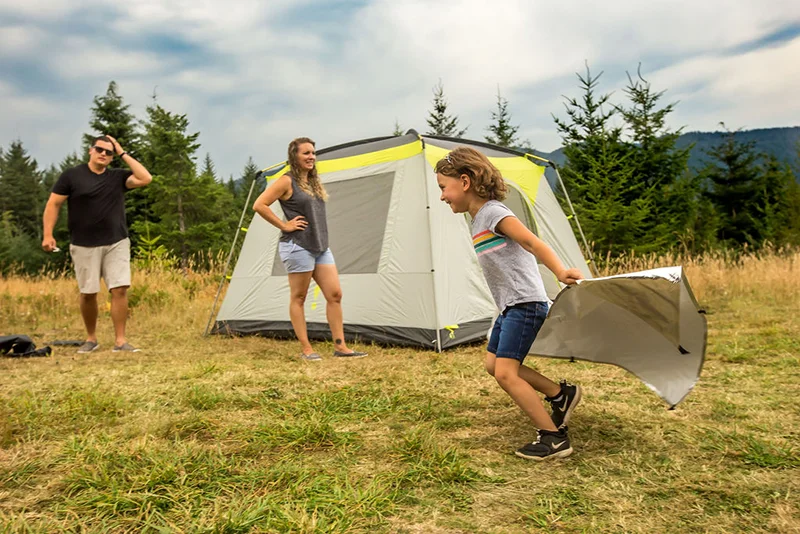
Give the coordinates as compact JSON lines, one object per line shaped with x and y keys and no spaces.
{"x":303,"y":244}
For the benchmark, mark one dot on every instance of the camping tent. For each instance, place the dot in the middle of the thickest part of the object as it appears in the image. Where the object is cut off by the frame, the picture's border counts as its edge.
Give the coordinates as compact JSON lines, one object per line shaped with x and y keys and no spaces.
{"x":407,"y":267}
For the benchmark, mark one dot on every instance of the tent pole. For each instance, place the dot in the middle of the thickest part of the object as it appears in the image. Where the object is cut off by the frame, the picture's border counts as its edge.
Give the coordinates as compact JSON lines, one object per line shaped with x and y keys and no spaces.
{"x":230,"y":254}
{"x":596,"y":272}
{"x":433,"y":252}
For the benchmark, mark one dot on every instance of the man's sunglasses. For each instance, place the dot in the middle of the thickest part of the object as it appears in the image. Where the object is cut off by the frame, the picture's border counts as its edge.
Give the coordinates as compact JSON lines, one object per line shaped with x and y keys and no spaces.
{"x":101,"y":150}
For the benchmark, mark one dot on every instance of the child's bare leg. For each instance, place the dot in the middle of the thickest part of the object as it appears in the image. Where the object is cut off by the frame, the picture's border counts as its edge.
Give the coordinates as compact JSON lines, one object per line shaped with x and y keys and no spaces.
{"x":538,"y":381}
{"x":506,"y":372}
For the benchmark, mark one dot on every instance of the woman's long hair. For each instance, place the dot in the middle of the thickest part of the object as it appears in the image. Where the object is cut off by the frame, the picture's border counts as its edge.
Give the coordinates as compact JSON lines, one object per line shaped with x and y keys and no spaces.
{"x":312,"y":184}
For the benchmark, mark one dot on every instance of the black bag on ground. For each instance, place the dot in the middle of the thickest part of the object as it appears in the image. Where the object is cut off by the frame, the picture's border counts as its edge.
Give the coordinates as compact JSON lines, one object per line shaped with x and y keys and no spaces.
{"x":21,"y":347}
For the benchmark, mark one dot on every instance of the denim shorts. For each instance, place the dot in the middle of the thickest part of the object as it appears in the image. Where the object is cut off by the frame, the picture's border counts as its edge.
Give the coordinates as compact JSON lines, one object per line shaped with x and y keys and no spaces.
{"x":296,"y":259}
{"x":515,"y":329}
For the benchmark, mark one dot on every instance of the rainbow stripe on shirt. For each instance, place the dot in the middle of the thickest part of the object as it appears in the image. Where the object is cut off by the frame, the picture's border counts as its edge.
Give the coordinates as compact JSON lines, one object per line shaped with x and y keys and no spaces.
{"x":487,"y":241}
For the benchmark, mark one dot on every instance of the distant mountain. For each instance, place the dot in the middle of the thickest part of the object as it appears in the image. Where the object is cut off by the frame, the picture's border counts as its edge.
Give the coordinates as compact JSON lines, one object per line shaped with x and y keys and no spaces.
{"x":779,"y":142}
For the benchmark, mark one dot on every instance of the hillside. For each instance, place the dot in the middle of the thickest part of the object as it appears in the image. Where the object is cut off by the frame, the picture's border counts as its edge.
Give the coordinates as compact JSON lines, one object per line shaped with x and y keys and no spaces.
{"x":779,"y":142}
{"x":783,"y":143}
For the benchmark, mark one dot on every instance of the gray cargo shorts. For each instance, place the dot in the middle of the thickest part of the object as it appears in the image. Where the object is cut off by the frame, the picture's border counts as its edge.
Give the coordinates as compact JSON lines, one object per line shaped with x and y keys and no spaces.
{"x":111,"y":262}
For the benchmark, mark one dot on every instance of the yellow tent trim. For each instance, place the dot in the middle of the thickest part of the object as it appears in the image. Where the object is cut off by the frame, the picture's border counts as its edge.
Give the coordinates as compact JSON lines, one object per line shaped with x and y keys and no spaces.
{"x":451,"y":330}
{"x":522,"y":172}
{"x":361,"y":160}
{"x":371,"y":158}
{"x":534,"y":156}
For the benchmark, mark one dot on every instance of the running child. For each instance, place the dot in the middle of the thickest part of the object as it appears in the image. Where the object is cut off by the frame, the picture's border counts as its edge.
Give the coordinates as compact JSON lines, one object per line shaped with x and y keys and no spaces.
{"x":507,"y":253}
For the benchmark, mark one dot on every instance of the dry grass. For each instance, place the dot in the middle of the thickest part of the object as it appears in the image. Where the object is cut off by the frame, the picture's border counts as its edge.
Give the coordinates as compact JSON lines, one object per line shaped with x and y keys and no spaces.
{"x":233,"y":435}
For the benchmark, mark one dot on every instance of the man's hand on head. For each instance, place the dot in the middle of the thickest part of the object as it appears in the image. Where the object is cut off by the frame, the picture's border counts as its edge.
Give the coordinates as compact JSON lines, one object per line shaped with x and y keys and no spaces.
{"x":117,"y":147}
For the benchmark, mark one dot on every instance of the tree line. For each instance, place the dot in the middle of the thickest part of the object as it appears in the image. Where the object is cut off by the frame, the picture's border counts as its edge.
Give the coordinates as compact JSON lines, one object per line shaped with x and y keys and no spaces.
{"x":629,"y":183}
{"x":188,"y":210}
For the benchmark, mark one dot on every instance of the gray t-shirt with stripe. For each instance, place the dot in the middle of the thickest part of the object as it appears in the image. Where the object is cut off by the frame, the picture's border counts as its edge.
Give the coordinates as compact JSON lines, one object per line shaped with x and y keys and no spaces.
{"x":510,"y":271}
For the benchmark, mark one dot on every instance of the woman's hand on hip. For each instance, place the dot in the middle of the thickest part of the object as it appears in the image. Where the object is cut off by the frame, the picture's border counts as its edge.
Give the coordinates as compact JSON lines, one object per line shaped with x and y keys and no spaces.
{"x":298,"y":223}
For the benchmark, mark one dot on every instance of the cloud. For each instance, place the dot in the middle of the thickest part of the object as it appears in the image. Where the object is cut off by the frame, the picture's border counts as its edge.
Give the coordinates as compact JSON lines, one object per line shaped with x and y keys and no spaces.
{"x":39,"y":9}
{"x":19,"y":39}
{"x":251,"y":75}
{"x":751,"y":90}
{"x":79,"y":58}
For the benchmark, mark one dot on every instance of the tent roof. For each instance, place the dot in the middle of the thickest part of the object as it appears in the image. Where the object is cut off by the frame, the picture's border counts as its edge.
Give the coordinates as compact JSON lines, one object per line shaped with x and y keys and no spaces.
{"x":374,"y":144}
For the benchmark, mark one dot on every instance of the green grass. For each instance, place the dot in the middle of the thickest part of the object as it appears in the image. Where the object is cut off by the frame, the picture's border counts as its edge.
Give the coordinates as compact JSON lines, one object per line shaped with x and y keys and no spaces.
{"x":234,"y":435}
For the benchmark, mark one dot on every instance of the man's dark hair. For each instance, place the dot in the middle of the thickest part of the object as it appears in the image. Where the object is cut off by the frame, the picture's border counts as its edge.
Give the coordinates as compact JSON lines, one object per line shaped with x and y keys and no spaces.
{"x":103,"y":138}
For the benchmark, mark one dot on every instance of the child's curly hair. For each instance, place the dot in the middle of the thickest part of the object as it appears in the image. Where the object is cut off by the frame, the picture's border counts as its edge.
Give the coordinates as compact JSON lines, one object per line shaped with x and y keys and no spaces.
{"x":486,"y":179}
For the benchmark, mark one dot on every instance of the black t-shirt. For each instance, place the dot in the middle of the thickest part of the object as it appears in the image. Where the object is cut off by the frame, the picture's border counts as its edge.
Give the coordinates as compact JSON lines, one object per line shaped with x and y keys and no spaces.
{"x":96,"y":205}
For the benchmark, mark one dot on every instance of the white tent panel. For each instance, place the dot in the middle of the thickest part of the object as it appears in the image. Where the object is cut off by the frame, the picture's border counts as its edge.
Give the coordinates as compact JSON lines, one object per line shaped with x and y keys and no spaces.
{"x":461,"y":292}
{"x":407,"y":245}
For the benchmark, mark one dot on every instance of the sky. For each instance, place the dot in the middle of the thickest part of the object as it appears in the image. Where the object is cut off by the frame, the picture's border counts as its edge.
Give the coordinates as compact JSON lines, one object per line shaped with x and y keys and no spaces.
{"x":251,"y":75}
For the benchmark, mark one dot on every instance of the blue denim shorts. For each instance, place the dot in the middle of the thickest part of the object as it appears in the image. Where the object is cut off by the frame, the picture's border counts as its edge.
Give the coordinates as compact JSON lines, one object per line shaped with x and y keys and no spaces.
{"x":296,"y":259}
{"x":515,"y":329}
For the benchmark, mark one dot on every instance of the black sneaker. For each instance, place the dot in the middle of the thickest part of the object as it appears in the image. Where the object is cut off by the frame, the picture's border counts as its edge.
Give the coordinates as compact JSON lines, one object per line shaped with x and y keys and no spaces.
{"x":548,"y":445}
{"x":563,"y":403}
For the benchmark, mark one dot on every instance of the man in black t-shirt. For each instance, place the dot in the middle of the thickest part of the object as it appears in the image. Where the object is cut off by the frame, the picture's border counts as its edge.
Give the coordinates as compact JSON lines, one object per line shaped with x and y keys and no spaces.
{"x":99,"y":243}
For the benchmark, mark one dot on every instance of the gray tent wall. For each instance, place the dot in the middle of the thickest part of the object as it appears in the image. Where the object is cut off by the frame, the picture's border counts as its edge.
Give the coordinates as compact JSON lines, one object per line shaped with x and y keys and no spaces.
{"x":650,"y":323}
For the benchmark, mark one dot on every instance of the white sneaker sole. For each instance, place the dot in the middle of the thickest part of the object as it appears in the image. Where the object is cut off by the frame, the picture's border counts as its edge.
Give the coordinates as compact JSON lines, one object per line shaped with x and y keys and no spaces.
{"x":559,"y":454}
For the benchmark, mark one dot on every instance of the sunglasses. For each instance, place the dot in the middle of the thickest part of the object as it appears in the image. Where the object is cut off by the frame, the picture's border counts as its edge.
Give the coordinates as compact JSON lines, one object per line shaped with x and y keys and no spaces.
{"x":101,"y":150}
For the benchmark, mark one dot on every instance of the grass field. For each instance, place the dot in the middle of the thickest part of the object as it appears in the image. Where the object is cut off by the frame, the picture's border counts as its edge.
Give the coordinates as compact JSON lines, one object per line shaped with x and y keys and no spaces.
{"x":235,"y":435}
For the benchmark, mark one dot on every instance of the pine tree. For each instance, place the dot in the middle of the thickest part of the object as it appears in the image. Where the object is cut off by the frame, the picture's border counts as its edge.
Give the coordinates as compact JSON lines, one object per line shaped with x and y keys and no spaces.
{"x":658,"y":163}
{"x":22,"y":193}
{"x":231,"y":186}
{"x":611,"y":205}
{"x":193,"y":214}
{"x":588,"y":121}
{"x":793,"y":227}
{"x":213,"y":216}
{"x":18,"y":250}
{"x":249,"y":174}
{"x":686,"y":201}
{"x":503,"y":132}
{"x":732,"y":176}
{"x":793,"y":200}
{"x":773,"y":203}
{"x":110,"y":116}
{"x":398,"y":131}
{"x":439,"y":121}
{"x":169,"y":153}
{"x":208,"y":167}
{"x":612,"y":221}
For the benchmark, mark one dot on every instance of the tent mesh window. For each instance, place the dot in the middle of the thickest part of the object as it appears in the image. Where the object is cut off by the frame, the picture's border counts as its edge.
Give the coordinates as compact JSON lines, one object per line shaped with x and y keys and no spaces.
{"x":516,"y":203}
{"x":360,"y":207}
